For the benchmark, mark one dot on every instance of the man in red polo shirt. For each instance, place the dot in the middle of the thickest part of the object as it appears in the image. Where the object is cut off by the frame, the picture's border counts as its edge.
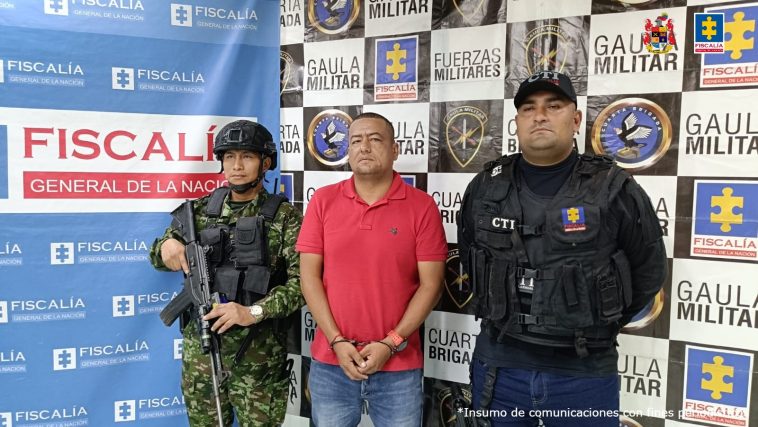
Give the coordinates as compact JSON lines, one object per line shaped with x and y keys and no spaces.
{"x":372,"y":252}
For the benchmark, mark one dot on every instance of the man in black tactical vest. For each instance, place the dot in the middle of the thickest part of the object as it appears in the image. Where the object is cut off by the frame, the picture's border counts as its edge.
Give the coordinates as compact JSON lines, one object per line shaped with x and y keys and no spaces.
{"x":562,"y":250}
{"x":252,"y":262}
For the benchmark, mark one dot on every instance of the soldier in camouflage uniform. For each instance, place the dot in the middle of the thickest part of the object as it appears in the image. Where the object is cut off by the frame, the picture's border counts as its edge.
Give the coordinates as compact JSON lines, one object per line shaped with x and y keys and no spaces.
{"x":256,"y":390}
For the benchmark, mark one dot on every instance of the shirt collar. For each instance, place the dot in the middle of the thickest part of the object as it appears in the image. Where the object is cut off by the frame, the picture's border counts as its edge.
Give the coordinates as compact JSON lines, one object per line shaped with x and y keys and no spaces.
{"x":397,"y":188}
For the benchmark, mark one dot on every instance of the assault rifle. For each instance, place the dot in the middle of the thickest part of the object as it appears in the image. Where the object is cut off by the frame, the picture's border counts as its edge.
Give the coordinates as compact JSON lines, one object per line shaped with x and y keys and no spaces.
{"x":197,"y":283}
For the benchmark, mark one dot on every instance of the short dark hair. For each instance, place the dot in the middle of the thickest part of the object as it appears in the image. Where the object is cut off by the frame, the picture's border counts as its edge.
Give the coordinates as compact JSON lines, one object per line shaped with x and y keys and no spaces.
{"x":371,"y":115}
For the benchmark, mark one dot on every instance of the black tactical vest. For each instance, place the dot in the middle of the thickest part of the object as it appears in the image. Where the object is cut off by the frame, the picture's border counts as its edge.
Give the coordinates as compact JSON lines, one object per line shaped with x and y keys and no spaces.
{"x":239,"y":260}
{"x":572,"y":289}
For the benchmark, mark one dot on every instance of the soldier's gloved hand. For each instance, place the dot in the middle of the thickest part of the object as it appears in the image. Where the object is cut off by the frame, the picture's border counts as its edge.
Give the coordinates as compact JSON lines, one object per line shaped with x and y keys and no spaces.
{"x":350,"y":360}
{"x":172,"y":254}
{"x":228,"y":315}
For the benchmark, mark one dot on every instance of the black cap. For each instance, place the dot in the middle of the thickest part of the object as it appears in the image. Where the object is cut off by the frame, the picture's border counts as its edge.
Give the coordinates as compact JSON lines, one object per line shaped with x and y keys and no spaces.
{"x":552,"y":81}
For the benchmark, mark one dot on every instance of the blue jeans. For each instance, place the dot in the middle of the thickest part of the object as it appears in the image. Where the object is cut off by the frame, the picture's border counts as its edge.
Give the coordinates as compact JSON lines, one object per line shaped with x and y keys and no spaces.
{"x":394,"y":399}
{"x":521,"y":397}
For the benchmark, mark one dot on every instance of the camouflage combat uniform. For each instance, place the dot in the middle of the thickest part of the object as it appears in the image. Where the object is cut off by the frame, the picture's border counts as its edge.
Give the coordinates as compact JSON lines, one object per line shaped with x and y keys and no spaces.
{"x":258,"y":386}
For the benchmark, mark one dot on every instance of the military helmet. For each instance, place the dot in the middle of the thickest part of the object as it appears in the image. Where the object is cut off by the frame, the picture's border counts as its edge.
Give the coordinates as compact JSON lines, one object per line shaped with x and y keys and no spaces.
{"x":245,"y":135}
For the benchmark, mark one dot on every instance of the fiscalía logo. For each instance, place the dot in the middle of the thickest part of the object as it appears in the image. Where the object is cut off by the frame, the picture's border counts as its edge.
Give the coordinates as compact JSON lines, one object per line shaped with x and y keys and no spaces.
{"x":333,"y":16}
{"x":61,"y":253}
{"x":148,"y":408}
{"x":396,"y":74}
{"x":547,"y":47}
{"x":181,"y":15}
{"x":64,"y":359}
{"x":327,"y":137}
{"x":709,"y":33}
{"x":98,"y":356}
{"x":43,"y":310}
{"x":74,"y":415}
{"x":124,"y":410}
{"x":42,"y":72}
{"x":161,"y":80}
{"x":149,"y":303}
{"x":717,"y":386}
{"x":457,"y":282}
{"x":217,"y":13}
{"x":647,"y":315}
{"x":122,"y":78}
{"x":725,"y":221}
{"x":56,"y":7}
{"x":123,"y":305}
{"x":659,"y":35}
{"x":635,"y":131}
{"x":738,"y":64}
{"x":6,"y":419}
{"x":573,"y":219}
{"x":113,"y":4}
{"x":464,"y":131}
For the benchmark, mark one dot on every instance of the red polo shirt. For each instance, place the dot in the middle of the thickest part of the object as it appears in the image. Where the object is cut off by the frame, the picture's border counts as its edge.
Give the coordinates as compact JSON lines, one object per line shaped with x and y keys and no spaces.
{"x":370,"y":260}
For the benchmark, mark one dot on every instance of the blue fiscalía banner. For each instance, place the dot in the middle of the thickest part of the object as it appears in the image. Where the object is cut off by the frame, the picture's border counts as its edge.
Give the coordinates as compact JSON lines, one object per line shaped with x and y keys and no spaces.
{"x":108,"y":112}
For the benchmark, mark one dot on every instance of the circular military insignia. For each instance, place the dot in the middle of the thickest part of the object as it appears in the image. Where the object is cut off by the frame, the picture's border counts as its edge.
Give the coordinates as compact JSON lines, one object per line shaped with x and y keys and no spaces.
{"x":449,"y":403}
{"x":333,"y":16}
{"x":286,"y":67}
{"x":635,"y":131}
{"x":647,"y":315}
{"x":327,"y":137}
{"x":546,"y":48}
{"x":457,"y":283}
{"x":464,"y":131}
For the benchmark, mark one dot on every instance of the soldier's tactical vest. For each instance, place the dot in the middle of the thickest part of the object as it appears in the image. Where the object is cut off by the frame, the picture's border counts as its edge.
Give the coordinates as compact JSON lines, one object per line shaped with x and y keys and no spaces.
{"x":573,"y":292}
{"x":239,"y":260}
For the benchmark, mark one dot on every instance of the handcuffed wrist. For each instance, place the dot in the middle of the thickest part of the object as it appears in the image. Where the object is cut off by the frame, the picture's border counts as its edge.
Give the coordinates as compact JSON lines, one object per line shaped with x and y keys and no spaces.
{"x":393,"y":350}
{"x":337,"y":339}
